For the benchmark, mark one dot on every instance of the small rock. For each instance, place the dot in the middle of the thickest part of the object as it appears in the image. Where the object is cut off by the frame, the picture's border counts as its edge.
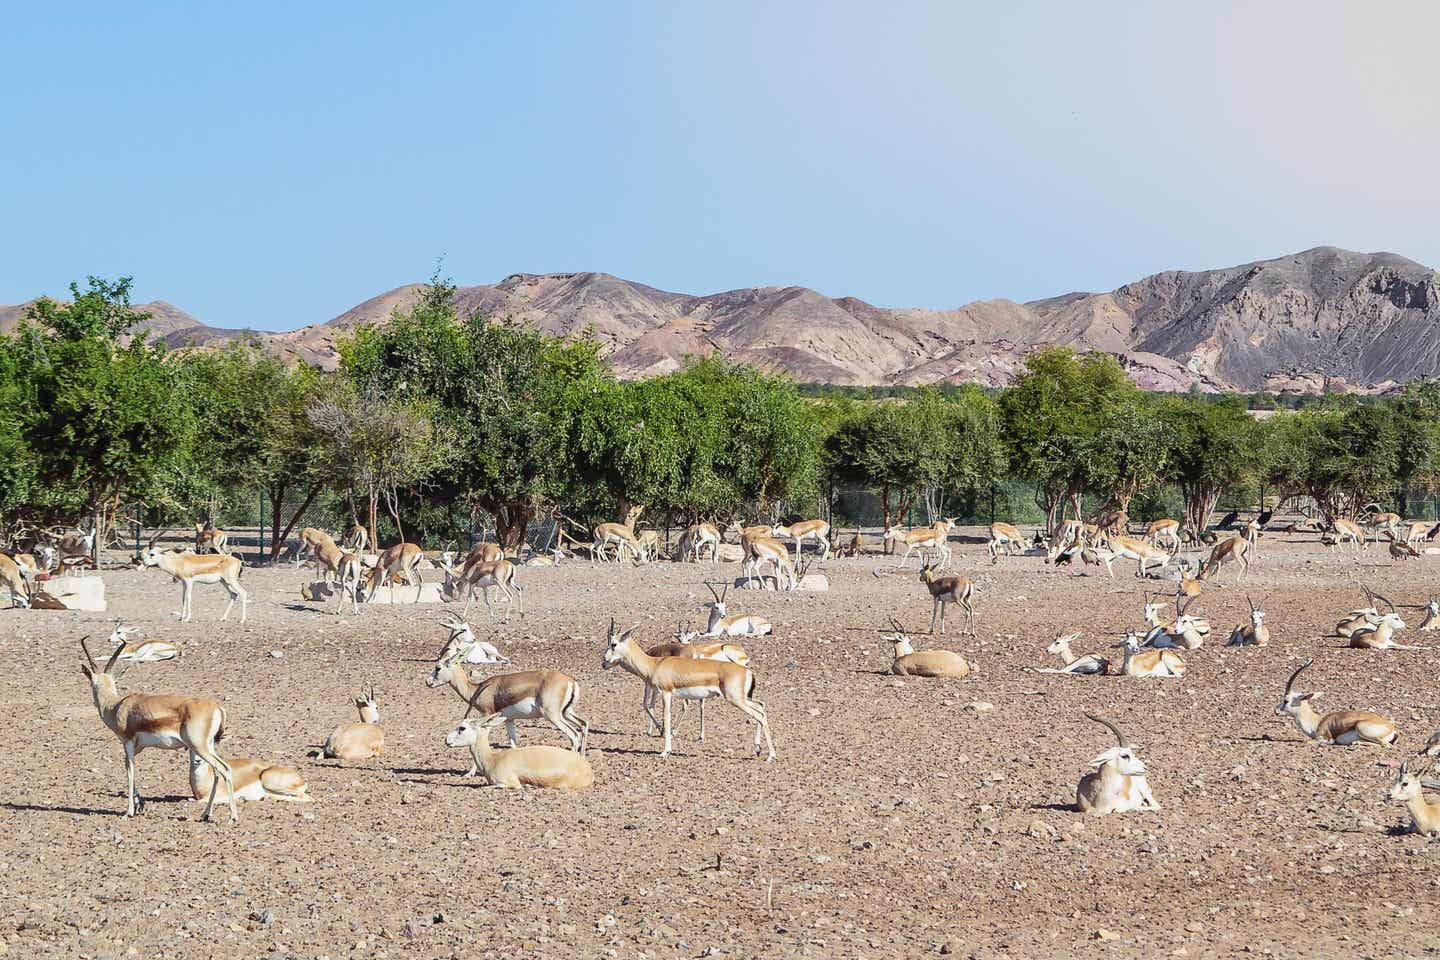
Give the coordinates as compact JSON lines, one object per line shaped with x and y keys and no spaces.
{"x":263,"y":917}
{"x":979,"y":706}
{"x":277,"y":654}
{"x":1103,"y":934}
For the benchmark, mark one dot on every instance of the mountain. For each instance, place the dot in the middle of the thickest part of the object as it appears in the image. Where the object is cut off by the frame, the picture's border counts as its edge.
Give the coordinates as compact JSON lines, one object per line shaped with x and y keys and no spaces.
{"x":1322,"y":319}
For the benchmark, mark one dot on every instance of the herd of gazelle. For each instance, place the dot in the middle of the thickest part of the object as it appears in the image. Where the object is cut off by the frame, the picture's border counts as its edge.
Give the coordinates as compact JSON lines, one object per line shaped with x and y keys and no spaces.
{"x":694,"y":667}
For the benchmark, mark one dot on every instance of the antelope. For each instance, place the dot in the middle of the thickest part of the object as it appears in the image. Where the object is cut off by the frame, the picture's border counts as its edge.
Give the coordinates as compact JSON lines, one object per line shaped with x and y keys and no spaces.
{"x":1230,"y":550}
{"x":1089,"y":664}
{"x":1003,"y":538}
{"x":1382,"y":635}
{"x":1116,"y":782}
{"x":76,"y":548}
{"x":804,"y":530}
{"x":1417,"y":532}
{"x":622,"y":536}
{"x":12,"y":576}
{"x":1339,"y":728}
{"x":356,"y":539}
{"x":685,"y":648}
{"x":1149,"y":663}
{"x":1348,"y":530}
{"x":945,"y":590}
{"x":1409,"y":790}
{"x":1144,"y":555}
{"x":311,"y":539}
{"x":689,"y":680}
{"x":358,"y":741}
{"x":1256,"y":634}
{"x":925,"y":663}
{"x":253,"y":780}
{"x":1185,"y":632}
{"x":1163,"y":529}
{"x":760,"y":550}
{"x":1388,"y":522}
{"x":700,"y":538}
{"x":142,"y":651}
{"x":529,"y":695}
{"x":208,"y":538}
{"x":163,"y":721}
{"x":402,"y":558}
{"x":466,"y":646}
{"x":649,"y":543}
{"x":1432,"y":615}
{"x":190,"y":569}
{"x":755,"y":530}
{"x":734,"y":625}
{"x":535,"y":766}
{"x":1361,"y":618}
{"x":922,"y":539}
{"x":499,"y":574}
{"x":481,"y":553}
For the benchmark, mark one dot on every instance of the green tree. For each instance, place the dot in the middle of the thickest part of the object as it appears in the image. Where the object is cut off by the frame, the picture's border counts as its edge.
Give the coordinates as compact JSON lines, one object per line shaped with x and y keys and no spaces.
{"x":1210,"y":447}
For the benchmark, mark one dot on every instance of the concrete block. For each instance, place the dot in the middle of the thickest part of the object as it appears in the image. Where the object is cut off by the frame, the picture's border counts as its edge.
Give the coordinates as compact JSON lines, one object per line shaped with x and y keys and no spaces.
{"x":75,"y":593}
{"x":324,"y":590}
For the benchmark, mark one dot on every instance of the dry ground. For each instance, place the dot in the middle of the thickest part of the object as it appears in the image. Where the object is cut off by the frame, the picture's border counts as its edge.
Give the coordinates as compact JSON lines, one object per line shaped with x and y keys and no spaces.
{"x":896,"y":821}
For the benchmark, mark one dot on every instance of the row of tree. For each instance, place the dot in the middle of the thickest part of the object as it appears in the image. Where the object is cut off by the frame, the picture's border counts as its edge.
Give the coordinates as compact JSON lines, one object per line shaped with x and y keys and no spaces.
{"x":434,"y":409}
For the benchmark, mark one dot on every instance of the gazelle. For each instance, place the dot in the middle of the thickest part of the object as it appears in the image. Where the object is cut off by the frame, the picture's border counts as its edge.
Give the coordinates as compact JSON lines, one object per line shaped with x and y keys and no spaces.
{"x":1409,"y":790}
{"x":922,"y":539}
{"x":689,"y":680}
{"x":761,"y":550}
{"x":1089,"y":664}
{"x":754,"y":530}
{"x":1348,"y":530}
{"x":358,"y":741}
{"x":1361,"y":618}
{"x":804,"y":530}
{"x":685,"y":648}
{"x":1382,"y":635}
{"x":1163,"y":529}
{"x":1378,"y":520}
{"x":207,"y":538}
{"x":946,"y":590}
{"x":1149,"y":663}
{"x":649,"y":543}
{"x":311,"y":539}
{"x":1432,"y":615}
{"x":163,"y":721}
{"x":190,"y":569}
{"x":1256,"y":634}
{"x":142,"y":651}
{"x":1230,"y":550}
{"x":499,"y":574}
{"x":483,"y":553}
{"x":1417,"y":532}
{"x":13,"y":577}
{"x":734,"y":625}
{"x":1341,"y":727}
{"x":1185,"y":632}
{"x":1146,"y":557}
{"x":1116,"y":782}
{"x":402,"y":558}
{"x":618,"y":534}
{"x":253,"y":780}
{"x":530,"y":695}
{"x":469,"y":648}
{"x":356,"y":539}
{"x":535,"y":766}
{"x":699,"y":539}
{"x":925,"y":663}
{"x":1004,"y":538}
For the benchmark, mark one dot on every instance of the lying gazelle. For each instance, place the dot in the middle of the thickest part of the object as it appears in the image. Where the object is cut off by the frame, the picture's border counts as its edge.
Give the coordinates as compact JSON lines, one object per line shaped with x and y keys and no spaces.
{"x":499,"y":574}
{"x":925,"y":663}
{"x":1360,"y":618}
{"x":1230,"y":550}
{"x":1185,"y":632}
{"x":1409,"y":789}
{"x":142,"y":651}
{"x":760,"y":550}
{"x":689,"y":680}
{"x":1164,"y":529}
{"x":1116,"y":782}
{"x":163,"y":721}
{"x":1004,"y":538}
{"x":804,"y":530}
{"x":1149,"y":663}
{"x":684,"y":646}
{"x":1382,"y":635}
{"x":253,"y":781}
{"x":921,"y":539}
{"x":400,"y":559}
{"x":190,"y":569}
{"x":528,"y":695}
{"x":735,"y":624}
{"x":14,"y":578}
{"x":947,"y":590}
{"x":1089,"y":664}
{"x":1341,"y":727}
{"x":534,"y":766}
{"x":208,"y":539}
{"x":1256,"y":634}
{"x":469,"y":648}
{"x":358,"y":741}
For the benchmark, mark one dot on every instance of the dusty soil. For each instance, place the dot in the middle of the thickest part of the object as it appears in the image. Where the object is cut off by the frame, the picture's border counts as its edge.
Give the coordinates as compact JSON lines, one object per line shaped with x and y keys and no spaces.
{"x":896,"y":821}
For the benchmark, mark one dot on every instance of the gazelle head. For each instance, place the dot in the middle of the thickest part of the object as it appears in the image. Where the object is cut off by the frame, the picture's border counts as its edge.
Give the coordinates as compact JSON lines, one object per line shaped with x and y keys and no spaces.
{"x":1153,"y":606}
{"x":901,"y":639}
{"x":471,"y":729}
{"x":718,"y":604}
{"x":614,"y":644}
{"x":102,"y":681}
{"x":1257,"y":612}
{"x":1062,"y":641}
{"x":1124,"y":758}
{"x":683,"y":633}
{"x":365,"y":703}
{"x":1392,"y":617}
{"x":1290,"y":706}
{"x":1131,"y":641}
{"x":461,"y":639}
{"x":1432,"y":608}
{"x":1408,"y":783}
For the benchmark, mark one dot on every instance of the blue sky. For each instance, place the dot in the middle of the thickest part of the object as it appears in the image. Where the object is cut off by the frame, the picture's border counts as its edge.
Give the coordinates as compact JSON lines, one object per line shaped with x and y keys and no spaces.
{"x":271,"y":166}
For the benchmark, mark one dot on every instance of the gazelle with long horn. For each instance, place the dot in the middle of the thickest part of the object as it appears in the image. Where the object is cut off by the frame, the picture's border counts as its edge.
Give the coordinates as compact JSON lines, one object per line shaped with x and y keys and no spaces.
{"x":1117,"y":780}
{"x":1340,"y":727}
{"x":142,"y":651}
{"x":1149,"y":663}
{"x":190,"y":569}
{"x":1185,"y":632}
{"x":1091,"y":664}
{"x":162,"y":721}
{"x":1381,"y":636}
{"x":1257,"y":634}
{"x":1431,"y":622}
{"x":689,"y":680}
{"x":528,"y":695}
{"x":947,"y":590}
{"x":921,"y":539}
{"x":463,"y":644}
{"x":924,"y":663}
{"x":732,"y":625}
{"x":684,"y":646}
{"x":1360,"y":618}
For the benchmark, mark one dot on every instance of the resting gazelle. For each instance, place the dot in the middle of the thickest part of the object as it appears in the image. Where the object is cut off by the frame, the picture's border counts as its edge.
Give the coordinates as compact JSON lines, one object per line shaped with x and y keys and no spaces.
{"x":1149,"y":663}
{"x":924,"y":663}
{"x":1340,"y":727}
{"x":1117,"y":781}
{"x":1089,"y":664}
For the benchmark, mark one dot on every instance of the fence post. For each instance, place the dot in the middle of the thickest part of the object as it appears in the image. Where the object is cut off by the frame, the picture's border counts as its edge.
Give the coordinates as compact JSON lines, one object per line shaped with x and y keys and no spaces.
{"x":261,"y":537}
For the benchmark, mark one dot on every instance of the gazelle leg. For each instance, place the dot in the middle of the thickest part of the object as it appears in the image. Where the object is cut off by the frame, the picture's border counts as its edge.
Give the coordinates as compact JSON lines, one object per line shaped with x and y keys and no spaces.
{"x":666,"y":697}
{"x":474,"y":762}
{"x":510,"y":730}
{"x":702,"y":721}
{"x":133,"y":803}
{"x":755,"y":710}
{"x":580,"y":724}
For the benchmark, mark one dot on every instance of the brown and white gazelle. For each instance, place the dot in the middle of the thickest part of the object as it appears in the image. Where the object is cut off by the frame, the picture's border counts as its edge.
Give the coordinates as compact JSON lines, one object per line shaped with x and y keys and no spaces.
{"x":733,"y":625}
{"x":534,"y":766}
{"x":1089,"y":664}
{"x":402,"y":558}
{"x":1004,"y":538}
{"x":684,"y":646}
{"x":1409,"y":789}
{"x":1348,"y":530}
{"x":1146,"y":557}
{"x":528,"y":695}
{"x":499,"y":574}
{"x":1431,"y":622}
{"x":1257,"y":634}
{"x":210,"y":540}
{"x":253,"y":780}
{"x":1149,"y":663}
{"x":700,"y":539}
{"x":618,"y":535}
{"x":924,"y":663}
{"x":190,"y":569}
{"x":1164,"y":529}
{"x":947,"y":590}
{"x":760,"y":550}
{"x":1116,"y":782}
{"x":921,"y":539}
{"x":12,"y":576}
{"x":142,"y":651}
{"x":162,"y":721}
{"x":358,"y":741}
{"x":804,"y":530}
{"x":689,"y":680}
{"x":1230,"y":550}
{"x":1340,"y":727}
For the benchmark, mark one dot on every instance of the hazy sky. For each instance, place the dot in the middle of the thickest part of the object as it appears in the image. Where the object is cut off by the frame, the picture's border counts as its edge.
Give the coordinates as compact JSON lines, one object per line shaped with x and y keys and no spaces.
{"x":271,"y":166}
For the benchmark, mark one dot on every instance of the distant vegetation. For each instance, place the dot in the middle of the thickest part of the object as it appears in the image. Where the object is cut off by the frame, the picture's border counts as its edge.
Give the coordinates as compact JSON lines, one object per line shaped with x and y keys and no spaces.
{"x":435,"y":419}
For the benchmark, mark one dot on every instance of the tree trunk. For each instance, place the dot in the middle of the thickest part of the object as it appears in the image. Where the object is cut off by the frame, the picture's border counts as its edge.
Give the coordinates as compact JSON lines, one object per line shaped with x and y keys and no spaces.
{"x":374,"y":540}
{"x":885,"y":507}
{"x":512,"y":517}
{"x":294,"y":519}
{"x":97,"y":524}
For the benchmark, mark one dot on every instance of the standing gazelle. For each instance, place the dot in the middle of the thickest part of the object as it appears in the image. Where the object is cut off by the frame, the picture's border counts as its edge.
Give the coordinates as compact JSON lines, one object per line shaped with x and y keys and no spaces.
{"x":190,"y":569}
{"x":804,"y":530}
{"x":163,"y":721}
{"x":945,"y":590}
{"x":1004,"y":538}
{"x":402,"y":558}
{"x":760,"y":550}
{"x":689,"y":680}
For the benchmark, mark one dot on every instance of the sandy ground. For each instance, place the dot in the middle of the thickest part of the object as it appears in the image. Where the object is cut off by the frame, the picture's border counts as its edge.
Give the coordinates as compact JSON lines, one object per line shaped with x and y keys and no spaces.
{"x":897,"y":821}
